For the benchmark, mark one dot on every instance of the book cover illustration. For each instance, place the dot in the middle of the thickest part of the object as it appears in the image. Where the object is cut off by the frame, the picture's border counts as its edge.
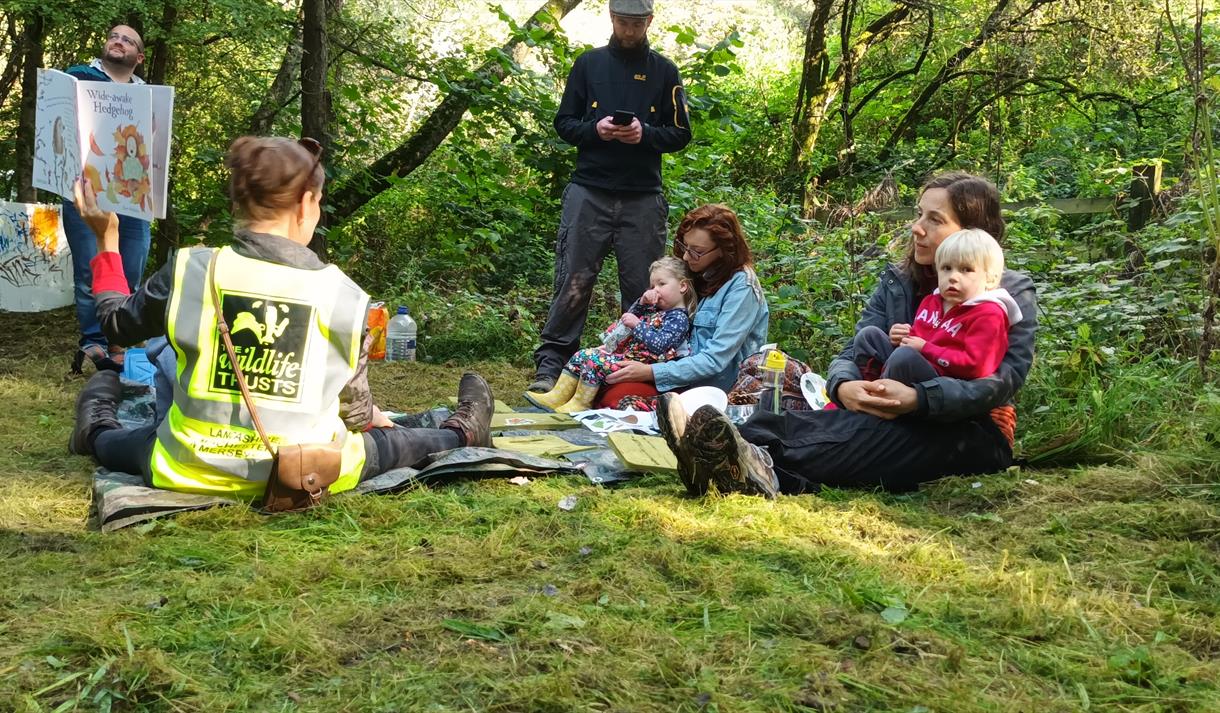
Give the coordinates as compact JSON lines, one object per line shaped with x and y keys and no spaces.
{"x":116,"y":135}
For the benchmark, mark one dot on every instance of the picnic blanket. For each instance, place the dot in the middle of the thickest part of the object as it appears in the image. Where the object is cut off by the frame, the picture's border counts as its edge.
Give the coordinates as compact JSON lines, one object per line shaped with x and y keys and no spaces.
{"x":122,"y":499}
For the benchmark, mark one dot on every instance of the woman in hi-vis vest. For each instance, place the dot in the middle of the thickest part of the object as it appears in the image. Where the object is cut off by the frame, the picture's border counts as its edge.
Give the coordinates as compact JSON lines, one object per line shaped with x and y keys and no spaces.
{"x":298,"y":332}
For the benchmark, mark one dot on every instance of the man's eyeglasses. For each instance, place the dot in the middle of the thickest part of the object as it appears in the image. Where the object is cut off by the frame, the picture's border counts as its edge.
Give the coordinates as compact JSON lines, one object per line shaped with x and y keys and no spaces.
{"x":125,"y":40}
{"x":688,"y":250}
{"x":314,"y":147}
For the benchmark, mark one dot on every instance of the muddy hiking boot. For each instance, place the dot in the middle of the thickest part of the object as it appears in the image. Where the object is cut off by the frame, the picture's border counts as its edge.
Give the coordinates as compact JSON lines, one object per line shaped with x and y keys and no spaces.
{"x":97,"y":406}
{"x":542,"y":383}
{"x":473,"y":415}
{"x":671,"y":421}
{"x":720,"y":455}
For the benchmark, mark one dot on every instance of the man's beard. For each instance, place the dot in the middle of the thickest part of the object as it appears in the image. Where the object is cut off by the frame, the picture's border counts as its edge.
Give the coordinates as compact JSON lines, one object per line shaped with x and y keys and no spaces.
{"x":123,"y":60}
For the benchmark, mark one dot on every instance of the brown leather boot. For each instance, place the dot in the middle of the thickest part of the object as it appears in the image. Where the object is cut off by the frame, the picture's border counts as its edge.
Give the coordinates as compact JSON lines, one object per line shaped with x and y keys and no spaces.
{"x":96,"y":406}
{"x":474,"y":409}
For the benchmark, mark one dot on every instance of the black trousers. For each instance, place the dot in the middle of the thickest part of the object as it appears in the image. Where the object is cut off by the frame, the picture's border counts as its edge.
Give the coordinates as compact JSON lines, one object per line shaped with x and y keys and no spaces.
{"x":872,"y":346}
{"x":847,"y":449}
{"x":129,"y":450}
{"x":593,"y":223}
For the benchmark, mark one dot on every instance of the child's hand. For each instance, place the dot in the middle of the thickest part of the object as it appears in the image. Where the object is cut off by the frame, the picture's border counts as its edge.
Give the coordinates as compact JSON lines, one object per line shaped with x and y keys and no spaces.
{"x":898,"y":332}
{"x":649,"y":297}
{"x":629,"y":320}
{"x":914,"y":342}
{"x":104,"y":224}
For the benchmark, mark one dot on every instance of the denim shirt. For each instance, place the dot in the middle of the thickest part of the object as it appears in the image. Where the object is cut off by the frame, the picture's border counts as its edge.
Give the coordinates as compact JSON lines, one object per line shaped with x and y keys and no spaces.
{"x":946,"y":399}
{"x":730,"y":325}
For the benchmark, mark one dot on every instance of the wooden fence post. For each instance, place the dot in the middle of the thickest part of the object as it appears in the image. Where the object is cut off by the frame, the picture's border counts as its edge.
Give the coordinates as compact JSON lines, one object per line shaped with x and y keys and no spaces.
{"x":1145,"y":185}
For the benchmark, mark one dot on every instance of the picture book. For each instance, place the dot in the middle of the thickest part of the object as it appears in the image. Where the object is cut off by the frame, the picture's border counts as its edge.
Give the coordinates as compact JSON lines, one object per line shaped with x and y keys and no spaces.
{"x":116,"y":135}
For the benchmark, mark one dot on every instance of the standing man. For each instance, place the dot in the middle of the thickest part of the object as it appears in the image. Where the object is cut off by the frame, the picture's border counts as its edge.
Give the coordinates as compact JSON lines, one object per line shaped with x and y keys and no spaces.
{"x":622,"y":108}
{"x":124,"y":51}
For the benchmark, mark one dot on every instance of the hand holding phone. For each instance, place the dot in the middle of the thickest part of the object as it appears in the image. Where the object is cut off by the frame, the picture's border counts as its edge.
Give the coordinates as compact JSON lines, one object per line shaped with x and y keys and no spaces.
{"x":622,"y":117}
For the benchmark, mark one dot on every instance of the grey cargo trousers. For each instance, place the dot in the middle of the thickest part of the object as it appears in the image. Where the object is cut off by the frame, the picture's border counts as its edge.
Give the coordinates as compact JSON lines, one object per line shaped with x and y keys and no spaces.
{"x":594,"y":222}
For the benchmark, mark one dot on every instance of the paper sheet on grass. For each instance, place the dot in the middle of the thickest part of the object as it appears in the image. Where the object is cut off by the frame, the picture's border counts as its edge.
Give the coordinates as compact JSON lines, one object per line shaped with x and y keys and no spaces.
{"x":612,"y":420}
{"x":532,"y":421}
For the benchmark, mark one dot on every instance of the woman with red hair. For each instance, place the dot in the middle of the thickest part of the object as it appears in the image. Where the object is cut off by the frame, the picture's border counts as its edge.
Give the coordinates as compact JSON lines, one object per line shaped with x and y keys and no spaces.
{"x":730,"y":324}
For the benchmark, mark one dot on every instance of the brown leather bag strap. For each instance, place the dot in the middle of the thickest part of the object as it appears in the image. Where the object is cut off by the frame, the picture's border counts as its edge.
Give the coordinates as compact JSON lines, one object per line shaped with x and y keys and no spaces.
{"x":223,"y":328}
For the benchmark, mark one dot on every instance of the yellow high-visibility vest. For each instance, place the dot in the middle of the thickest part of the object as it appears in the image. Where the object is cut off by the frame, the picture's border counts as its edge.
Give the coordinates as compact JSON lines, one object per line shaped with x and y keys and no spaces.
{"x":297,"y":335}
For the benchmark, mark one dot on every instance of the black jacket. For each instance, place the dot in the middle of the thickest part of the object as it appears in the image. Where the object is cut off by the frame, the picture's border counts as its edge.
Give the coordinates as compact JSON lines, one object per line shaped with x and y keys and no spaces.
{"x":610,"y":78}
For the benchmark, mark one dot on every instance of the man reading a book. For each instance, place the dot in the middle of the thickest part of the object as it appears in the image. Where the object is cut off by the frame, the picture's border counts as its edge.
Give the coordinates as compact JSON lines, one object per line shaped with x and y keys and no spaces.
{"x":122,"y":53}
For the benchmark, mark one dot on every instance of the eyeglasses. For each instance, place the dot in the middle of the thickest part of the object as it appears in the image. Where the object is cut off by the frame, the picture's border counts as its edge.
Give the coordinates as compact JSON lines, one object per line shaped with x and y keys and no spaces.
{"x":125,"y":40}
{"x":314,"y":147}
{"x":683,"y":248}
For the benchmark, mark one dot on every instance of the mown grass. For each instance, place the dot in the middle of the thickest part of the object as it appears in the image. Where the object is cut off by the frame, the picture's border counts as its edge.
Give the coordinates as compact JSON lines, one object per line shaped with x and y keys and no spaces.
{"x":1070,"y":589}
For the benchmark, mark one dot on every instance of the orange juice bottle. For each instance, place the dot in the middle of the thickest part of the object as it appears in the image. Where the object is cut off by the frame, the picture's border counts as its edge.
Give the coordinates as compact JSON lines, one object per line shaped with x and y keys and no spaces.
{"x":378,"y":317}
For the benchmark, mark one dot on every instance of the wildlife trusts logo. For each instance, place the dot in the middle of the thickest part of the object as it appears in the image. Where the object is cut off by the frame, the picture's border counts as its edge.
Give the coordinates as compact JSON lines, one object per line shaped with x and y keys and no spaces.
{"x":270,"y":338}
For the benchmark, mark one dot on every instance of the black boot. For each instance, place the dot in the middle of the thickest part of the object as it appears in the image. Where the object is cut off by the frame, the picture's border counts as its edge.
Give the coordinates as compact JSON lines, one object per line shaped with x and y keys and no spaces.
{"x":542,"y":383}
{"x":100,"y":358}
{"x":96,"y":407}
{"x":473,"y":415}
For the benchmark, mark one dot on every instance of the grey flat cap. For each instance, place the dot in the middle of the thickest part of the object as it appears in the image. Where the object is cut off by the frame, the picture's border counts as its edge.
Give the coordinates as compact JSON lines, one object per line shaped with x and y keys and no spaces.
{"x":631,"y":8}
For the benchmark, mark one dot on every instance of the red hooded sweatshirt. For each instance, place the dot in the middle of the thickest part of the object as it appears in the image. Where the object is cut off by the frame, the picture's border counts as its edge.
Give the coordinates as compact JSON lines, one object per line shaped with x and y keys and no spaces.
{"x":970,"y":340}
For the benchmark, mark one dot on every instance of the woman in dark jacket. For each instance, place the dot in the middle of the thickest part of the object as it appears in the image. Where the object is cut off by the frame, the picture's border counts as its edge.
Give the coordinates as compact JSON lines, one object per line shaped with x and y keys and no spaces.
{"x":884,"y":433}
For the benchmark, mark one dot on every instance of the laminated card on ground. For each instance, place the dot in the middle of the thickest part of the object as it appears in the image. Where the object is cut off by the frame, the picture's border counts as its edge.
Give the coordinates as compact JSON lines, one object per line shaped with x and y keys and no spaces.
{"x":117,"y":135}
{"x":645,"y":454}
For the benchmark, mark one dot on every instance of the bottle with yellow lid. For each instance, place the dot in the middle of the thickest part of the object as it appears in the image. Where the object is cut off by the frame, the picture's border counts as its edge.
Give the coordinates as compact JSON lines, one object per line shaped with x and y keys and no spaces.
{"x":773,"y":370}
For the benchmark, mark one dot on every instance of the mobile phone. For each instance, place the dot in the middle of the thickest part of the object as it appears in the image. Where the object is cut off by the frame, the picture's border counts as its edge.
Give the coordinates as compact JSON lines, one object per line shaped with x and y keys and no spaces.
{"x":622,"y":117}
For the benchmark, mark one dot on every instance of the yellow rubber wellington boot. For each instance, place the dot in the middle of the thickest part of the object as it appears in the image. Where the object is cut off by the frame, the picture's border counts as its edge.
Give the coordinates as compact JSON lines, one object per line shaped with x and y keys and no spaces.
{"x":582,"y":399}
{"x":556,"y":397}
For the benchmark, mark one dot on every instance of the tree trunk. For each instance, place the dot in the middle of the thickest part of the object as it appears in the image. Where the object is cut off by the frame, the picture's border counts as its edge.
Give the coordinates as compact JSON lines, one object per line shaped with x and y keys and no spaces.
{"x":167,"y":229}
{"x":26,"y":129}
{"x":313,"y":71}
{"x":353,"y":193}
{"x":12,"y":69}
{"x":812,"y":99}
{"x":819,"y":85}
{"x":280,"y":91}
{"x":313,"y":92}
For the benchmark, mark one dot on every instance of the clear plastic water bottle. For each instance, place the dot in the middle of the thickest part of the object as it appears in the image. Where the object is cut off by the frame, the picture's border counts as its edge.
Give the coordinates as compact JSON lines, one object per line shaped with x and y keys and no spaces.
{"x":400,"y":336}
{"x":773,"y":370}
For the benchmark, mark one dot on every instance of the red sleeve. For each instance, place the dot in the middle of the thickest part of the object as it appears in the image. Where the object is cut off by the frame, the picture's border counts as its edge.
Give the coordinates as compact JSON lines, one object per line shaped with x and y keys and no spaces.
{"x":108,"y":274}
{"x":978,"y":351}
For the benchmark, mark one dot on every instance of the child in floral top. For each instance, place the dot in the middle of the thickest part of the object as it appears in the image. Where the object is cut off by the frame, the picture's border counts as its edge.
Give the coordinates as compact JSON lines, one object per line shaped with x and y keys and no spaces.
{"x":654,"y":329}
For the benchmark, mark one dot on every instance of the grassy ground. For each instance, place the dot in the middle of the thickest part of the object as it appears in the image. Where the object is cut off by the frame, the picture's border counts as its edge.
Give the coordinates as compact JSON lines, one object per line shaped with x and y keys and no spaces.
{"x":1086,"y":589}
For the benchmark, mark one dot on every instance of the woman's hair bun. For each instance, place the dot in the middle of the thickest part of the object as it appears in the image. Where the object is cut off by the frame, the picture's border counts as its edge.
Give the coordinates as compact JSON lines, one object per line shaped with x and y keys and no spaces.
{"x":269,"y":175}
